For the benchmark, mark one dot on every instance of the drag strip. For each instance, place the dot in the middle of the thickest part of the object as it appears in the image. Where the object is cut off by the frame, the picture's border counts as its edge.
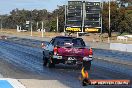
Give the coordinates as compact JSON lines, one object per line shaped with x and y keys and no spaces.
{"x":26,"y":54}
{"x":14,"y":54}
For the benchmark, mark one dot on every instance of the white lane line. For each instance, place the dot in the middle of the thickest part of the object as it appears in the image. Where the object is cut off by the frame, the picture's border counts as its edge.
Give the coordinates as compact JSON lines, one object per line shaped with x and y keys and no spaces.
{"x":14,"y":82}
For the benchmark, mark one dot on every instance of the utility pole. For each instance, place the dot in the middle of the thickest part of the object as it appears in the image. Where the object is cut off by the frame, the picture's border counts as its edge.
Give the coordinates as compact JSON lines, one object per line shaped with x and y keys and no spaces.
{"x":102,"y":3}
{"x":42,"y":29}
{"x":83,"y":16}
{"x":109,"y":23}
{"x":31,"y":29}
{"x":31,"y":25}
{"x":65,"y":17}
{"x":57,"y":22}
{"x":37,"y":25}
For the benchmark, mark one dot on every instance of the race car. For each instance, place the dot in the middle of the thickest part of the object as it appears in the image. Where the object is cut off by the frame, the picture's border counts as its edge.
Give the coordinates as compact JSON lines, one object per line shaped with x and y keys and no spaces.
{"x":67,"y":50}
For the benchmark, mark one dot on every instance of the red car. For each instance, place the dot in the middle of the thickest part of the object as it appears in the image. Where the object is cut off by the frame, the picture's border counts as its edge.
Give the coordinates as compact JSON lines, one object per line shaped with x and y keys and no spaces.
{"x":67,"y":50}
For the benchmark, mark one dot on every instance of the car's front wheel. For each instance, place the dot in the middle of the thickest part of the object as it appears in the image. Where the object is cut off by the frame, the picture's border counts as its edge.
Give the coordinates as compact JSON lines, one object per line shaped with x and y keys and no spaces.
{"x":50,"y":62}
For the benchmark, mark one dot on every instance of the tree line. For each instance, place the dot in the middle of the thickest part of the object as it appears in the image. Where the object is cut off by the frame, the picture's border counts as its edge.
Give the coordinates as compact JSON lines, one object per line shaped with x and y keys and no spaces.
{"x":121,"y":18}
{"x":19,"y":17}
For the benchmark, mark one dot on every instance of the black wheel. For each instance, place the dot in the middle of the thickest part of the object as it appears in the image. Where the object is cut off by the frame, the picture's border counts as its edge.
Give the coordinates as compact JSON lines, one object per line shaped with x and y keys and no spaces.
{"x":87,"y":65}
{"x":50,"y":63}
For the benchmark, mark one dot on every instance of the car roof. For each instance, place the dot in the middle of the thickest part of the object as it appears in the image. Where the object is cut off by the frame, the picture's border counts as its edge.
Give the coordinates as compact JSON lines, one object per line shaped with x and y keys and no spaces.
{"x":64,"y":37}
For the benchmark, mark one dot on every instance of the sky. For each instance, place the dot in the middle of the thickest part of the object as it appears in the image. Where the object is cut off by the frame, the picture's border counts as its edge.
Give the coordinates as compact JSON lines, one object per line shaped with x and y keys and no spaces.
{"x":8,"y":5}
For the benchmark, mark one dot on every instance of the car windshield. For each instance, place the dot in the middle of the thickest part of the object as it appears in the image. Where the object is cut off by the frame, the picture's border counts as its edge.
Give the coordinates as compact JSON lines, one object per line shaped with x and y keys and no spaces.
{"x":75,"y":42}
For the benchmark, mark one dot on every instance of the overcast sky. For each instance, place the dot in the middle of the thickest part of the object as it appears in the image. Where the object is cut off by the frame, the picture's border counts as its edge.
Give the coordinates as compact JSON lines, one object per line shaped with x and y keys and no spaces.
{"x":7,"y":5}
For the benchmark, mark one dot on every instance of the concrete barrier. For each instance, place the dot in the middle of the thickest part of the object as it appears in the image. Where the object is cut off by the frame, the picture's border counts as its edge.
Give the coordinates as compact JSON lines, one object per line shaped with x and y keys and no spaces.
{"x":121,"y":47}
{"x":98,"y":45}
{"x":129,"y":47}
{"x":129,"y":36}
{"x":123,"y":38}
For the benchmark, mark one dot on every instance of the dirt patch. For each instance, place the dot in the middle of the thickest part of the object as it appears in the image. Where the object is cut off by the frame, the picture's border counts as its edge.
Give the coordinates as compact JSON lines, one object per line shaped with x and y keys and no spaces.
{"x":28,"y":33}
{"x":91,"y":37}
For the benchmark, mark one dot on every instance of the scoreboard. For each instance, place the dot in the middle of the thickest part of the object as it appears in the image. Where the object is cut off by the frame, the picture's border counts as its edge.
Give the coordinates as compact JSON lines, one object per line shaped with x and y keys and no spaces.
{"x":74,"y":16}
{"x":83,"y":16}
{"x":93,"y":16}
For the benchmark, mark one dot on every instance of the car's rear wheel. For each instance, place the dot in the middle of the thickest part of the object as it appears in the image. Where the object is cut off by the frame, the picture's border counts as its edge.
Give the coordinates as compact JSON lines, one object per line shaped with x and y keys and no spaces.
{"x":87,"y":65}
{"x":50,"y":62}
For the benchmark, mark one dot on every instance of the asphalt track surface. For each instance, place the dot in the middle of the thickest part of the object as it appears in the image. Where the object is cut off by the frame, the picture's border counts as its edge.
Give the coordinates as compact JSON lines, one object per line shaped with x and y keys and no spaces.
{"x":26,"y":54}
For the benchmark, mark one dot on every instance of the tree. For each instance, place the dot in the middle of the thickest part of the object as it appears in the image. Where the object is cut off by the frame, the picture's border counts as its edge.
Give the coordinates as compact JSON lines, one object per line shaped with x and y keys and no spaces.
{"x":60,"y":12}
{"x":120,"y":20}
{"x":117,"y":15}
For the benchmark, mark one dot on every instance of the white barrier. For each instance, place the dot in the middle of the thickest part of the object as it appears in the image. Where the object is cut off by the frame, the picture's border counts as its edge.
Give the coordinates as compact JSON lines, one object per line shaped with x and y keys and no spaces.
{"x":129,"y":36}
{"x":121,"y":47}
{"x":129,"y":47}
{"x":123,"y":38}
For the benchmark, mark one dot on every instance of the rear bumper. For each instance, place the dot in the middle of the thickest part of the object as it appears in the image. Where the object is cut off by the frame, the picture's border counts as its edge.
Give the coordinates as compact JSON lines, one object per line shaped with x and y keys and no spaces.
{"x":80,"y":58}
{"x":72,"y":59}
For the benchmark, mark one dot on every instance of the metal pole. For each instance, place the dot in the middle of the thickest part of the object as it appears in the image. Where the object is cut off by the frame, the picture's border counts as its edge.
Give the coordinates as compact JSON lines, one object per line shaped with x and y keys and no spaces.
{"x":109,"y":22}
{"x":42,"y":29}
{"x":109,"y":15}
{"x":31,"y":25}
{"x":65,"y":17}
{"x":77,"y":34}
{"x":102,"y":18}
{"x":57,"y":22}
{"x":37,"y":25}
{"x":31,"y":29}
{"x":83,"y":16}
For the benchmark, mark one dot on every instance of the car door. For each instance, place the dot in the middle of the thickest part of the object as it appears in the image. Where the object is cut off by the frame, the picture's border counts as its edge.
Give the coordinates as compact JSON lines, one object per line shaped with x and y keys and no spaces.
{"x":51,"y":45}
{"x":49,"y":48}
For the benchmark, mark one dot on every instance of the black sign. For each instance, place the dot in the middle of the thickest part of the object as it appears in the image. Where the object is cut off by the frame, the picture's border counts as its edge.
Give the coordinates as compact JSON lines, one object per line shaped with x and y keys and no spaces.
{"x":74,"y":14}
{"x":92,"y":14}
{"x":83,"y":14}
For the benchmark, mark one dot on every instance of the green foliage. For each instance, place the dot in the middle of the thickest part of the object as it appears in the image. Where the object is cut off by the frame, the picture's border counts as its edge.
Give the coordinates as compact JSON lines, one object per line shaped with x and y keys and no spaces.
{"x":19,"y":17}
{"x":121,"y":19}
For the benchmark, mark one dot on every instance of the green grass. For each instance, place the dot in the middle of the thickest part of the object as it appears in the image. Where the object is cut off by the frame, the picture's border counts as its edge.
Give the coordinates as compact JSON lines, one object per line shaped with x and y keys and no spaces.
{"x":129,"y":12}
{"x":125,"y":34}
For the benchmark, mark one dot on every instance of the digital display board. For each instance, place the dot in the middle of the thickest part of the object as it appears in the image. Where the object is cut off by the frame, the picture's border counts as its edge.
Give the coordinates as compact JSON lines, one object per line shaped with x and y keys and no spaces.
{"x":74,"y":14}
{"x":83,"y":16}
{"x":92,"y":14}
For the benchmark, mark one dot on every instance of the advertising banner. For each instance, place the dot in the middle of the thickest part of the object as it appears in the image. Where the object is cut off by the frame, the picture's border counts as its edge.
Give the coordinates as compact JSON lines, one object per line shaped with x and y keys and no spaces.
{"x":73,"y":29}
{"x":92,"y":30}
